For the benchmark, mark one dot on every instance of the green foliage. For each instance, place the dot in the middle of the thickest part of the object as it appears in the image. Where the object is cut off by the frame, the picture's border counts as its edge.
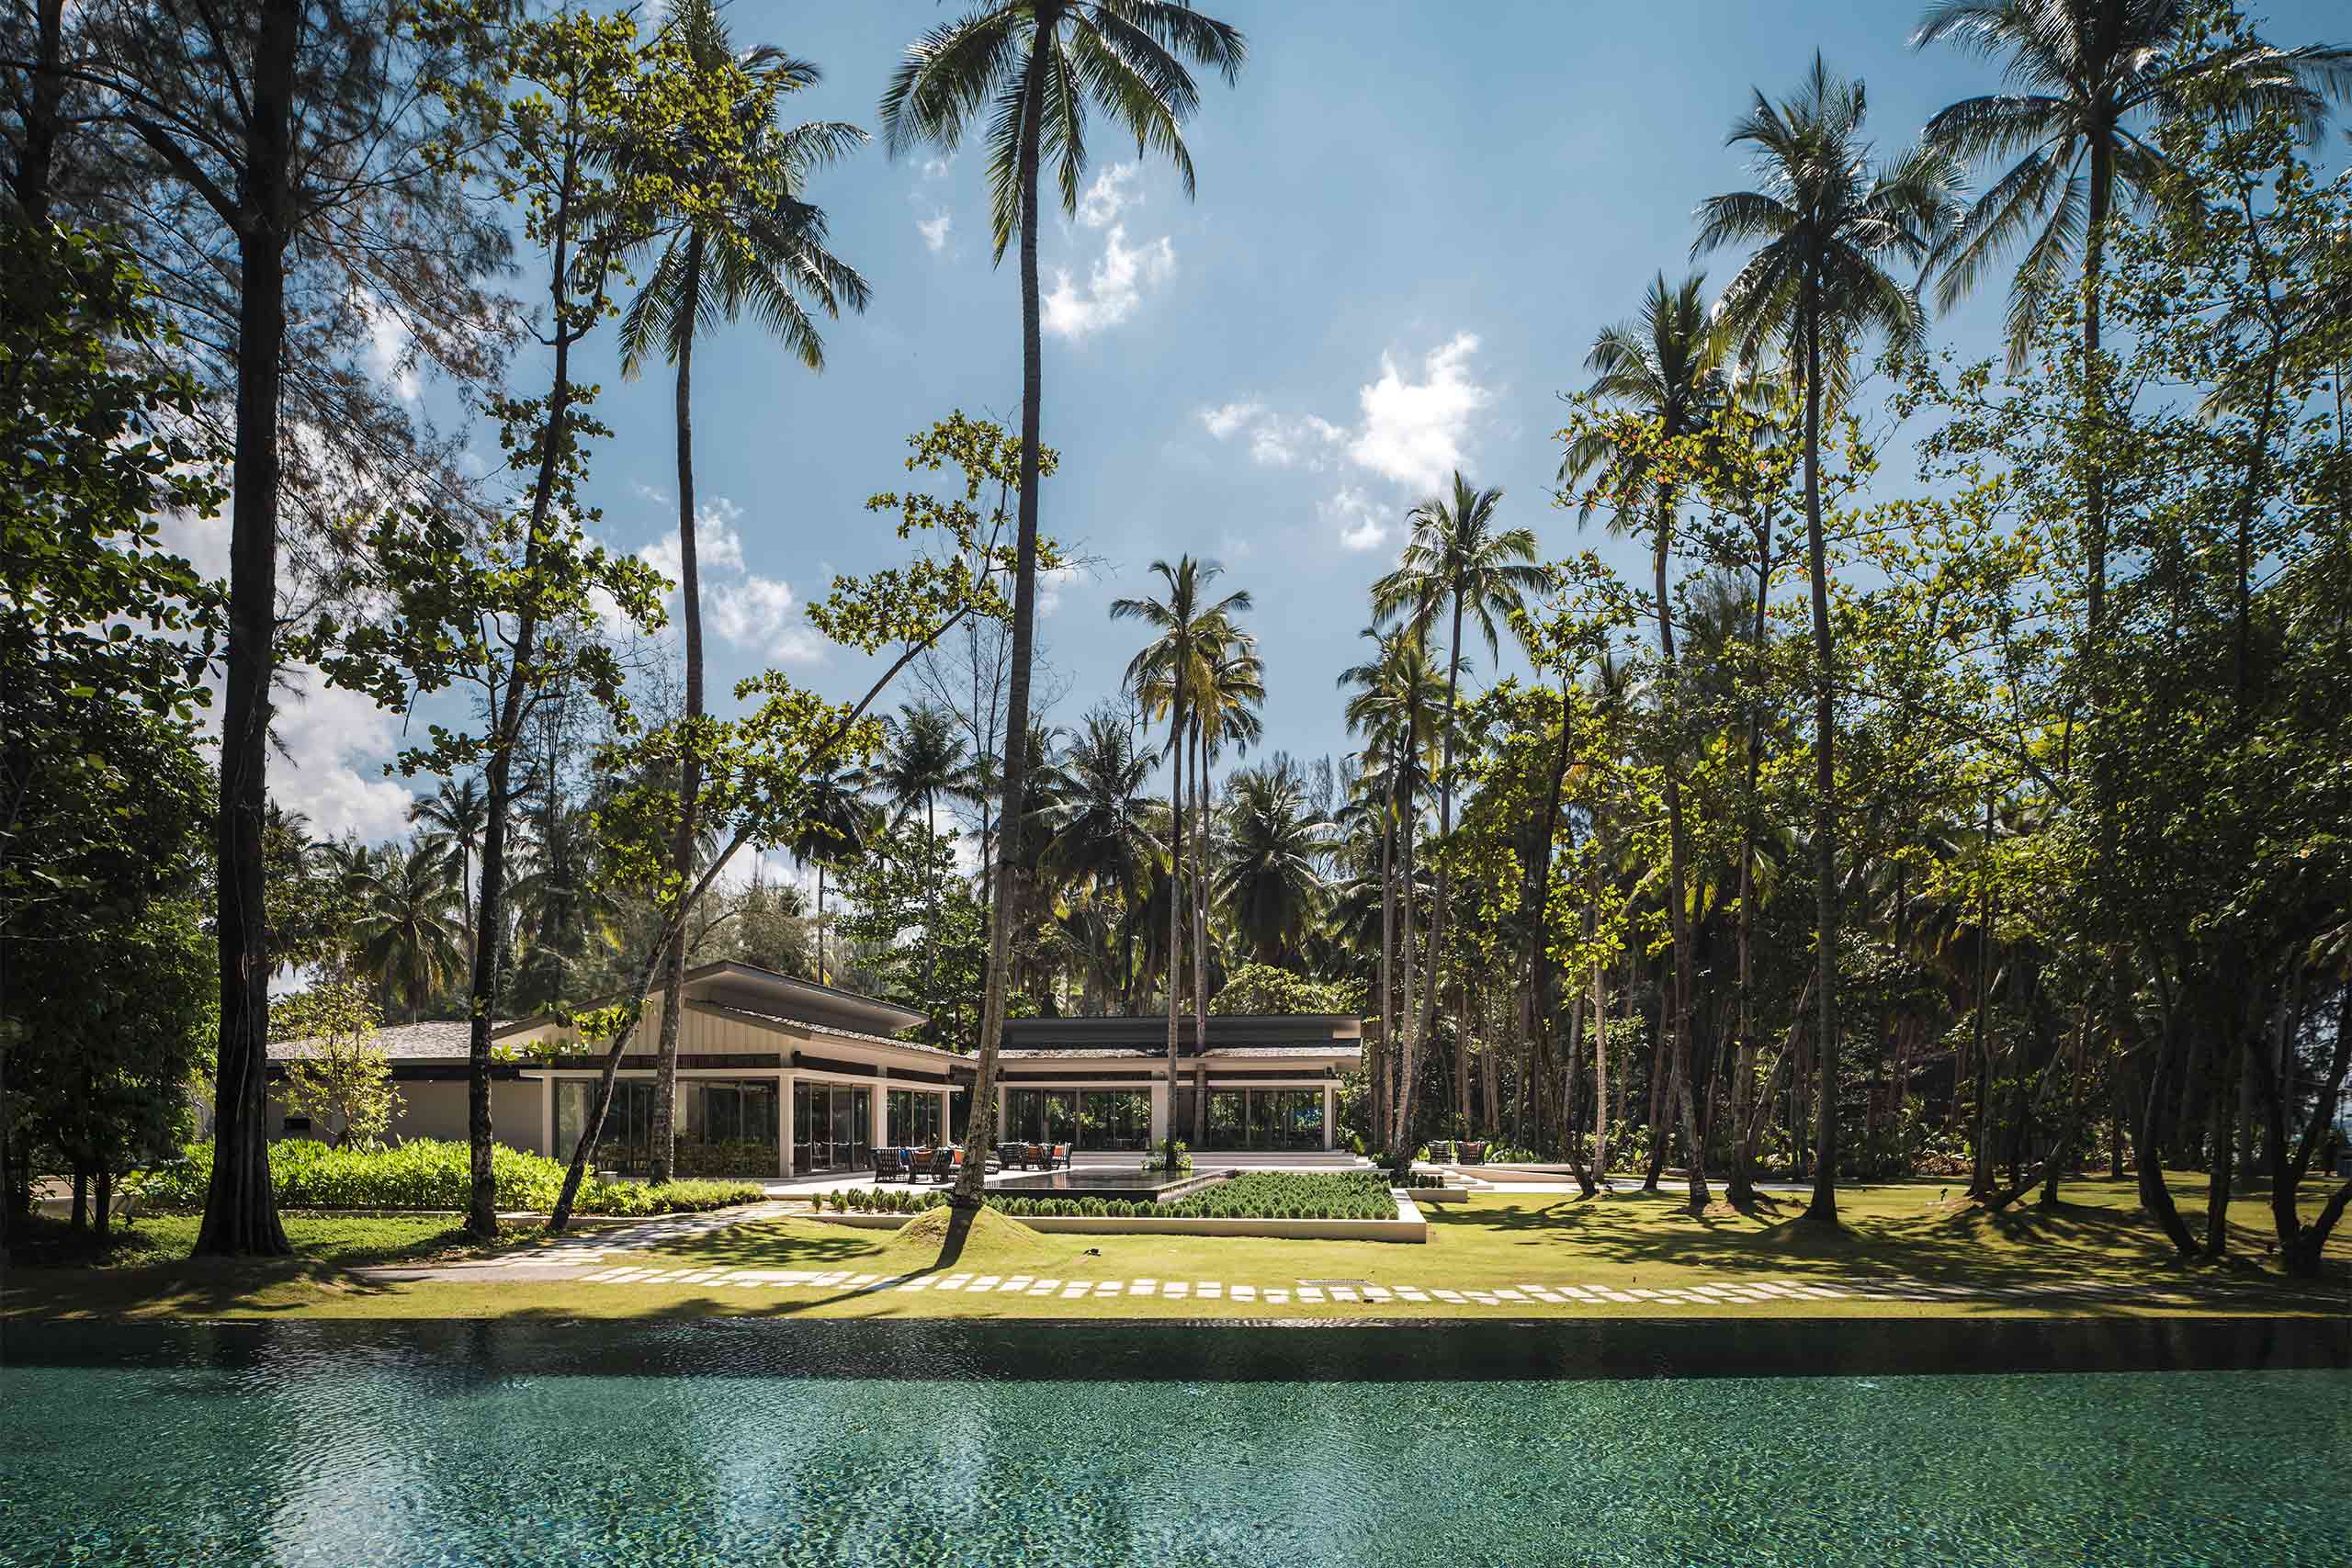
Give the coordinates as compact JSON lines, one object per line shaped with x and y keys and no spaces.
{"x":426,"y":1173}
{"x":1290,"y":1194}
{"x":340,"y":1079}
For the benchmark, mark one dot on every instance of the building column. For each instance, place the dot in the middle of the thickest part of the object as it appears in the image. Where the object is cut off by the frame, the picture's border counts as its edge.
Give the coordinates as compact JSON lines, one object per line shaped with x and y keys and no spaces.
{"x":1331,"y":1115}
{"x":1160,"y":1108}
{"x":946,"y":1116}
{"x":1002,"y":1096}
{"x":784,"y":1123}
{"x":546,"y":1118}
{"x":881,"y":1106}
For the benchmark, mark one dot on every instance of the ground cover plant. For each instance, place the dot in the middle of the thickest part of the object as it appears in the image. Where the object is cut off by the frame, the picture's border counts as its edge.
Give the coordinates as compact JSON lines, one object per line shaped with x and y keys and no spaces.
{"x":428,"y":1173}
{"x":1253,"y":1195}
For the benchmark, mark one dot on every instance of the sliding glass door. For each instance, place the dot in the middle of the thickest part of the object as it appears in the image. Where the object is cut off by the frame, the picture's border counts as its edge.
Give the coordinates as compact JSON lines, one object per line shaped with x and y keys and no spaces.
{"x":833,"y":1127}
{"x":627,"y":1141}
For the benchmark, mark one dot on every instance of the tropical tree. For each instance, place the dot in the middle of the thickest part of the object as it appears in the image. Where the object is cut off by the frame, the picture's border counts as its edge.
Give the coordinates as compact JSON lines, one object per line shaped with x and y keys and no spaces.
{"x":1666,"y":369}
{"x":1033,"y":67}
{"x":1100,"y":825}
{"x":1271,"y":881}
{"x":1397,"y":696}
{"x":837,"y":824}
{"x":1458,"y":559}
{"x":1826,"y":220}
{"x":453,"y":818}
{"x":1166,"y":675}
{"x":926,"y":759}
{"x":404,"y":935}
{"x":1232,"y":687}
{"x":747,"y":241}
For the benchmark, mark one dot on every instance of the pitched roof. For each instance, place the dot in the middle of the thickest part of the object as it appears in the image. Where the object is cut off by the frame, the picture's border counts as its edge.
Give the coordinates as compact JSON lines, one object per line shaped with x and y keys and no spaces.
{"x":439,"y":1037}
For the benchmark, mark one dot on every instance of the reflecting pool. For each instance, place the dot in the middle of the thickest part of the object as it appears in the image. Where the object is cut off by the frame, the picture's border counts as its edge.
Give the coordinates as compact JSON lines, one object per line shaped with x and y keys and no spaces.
{"x":778,"y":1443}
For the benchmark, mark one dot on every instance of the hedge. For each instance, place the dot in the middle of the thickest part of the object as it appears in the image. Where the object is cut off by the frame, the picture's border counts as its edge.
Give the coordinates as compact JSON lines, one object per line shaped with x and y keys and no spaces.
{"x":428,"y":1173}
{"x":1253,"y":1195}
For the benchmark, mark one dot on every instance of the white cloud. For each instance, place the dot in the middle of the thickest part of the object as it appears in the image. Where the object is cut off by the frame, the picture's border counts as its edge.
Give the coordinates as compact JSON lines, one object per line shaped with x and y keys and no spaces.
{"x":1109,"y":196}
{"x":758,"y":614}
{"x":390,"y":349}
{"x":1224,"y":420}
{"x":936,"y":168}
{"x":1413,"y":431}
{"x":324,"y":730}
{"x":1360,"y":524}
{"x":1050,"y":584}
{"x":1275,"y":440}
{"x":934,"y":229}
{"x":719,"y":549}
{"x":1112,"y":289}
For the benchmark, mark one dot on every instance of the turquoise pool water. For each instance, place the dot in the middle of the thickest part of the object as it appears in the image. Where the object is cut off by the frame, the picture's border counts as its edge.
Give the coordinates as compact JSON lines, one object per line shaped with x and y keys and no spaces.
{"x":589,"y":1445}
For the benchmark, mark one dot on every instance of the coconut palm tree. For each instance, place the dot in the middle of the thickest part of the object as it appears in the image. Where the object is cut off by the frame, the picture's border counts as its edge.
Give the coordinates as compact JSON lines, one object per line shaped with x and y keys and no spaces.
{"x":1271,"y":881}
{"x":1397,"y":697}
{"x":1826,"y":220}
{"x":1666,"y":366}
{"x":925,"y":759}
{"x":1165,"y":675}
{"x":1232,"y":687}
{"x":405,"y":936}
{"x":453,"y":817}
{"x":836,"y":823}
{"x":760,"y":248}
{"x":1457,"y":556}
{"x":1099,"y":824}
{"x":1031,"y":68}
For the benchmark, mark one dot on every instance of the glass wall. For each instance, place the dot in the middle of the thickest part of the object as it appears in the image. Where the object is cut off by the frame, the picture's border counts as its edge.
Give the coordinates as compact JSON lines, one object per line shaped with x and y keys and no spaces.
{"x":627,"y":1141}
{"x":728,"y":1127}
{"x":1042,"y":1116}
{"x":913,"y":1118}
{"x":1265,"y":1119}
{"x":833,"y":1128}
{"x":1084,"y":1119}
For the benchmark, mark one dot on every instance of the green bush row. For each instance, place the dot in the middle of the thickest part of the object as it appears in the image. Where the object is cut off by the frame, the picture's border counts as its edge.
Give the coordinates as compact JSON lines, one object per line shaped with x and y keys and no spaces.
{"x":428,"y":1173}
{"x":1254,"y":1195}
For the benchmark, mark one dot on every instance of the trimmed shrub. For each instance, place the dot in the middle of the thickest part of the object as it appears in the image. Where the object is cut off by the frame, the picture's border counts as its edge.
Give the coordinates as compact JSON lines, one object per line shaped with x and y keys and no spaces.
{"x":430,"y":1173}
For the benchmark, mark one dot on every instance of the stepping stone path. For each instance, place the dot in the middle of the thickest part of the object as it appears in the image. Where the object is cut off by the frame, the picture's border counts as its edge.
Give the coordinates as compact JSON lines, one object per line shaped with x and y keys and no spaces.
{"x":618,"y":1257}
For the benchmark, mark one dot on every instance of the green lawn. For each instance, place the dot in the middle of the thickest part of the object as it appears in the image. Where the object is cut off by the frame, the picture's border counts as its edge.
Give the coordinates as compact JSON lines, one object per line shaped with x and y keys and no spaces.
{"x":1621,"y":1242}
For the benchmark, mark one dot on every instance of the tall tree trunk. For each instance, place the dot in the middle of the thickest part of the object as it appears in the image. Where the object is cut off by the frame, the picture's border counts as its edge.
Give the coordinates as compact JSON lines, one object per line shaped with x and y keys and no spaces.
{"x":682,"y":848}
{"x":1200,"y":933}
{"x":1176,"y":758}
{"x":1742,"y":1180}
{"x":1388,"y":1046}
{"x":239,"y":1211}
{"x":1408,"y":1063}
{"x":1539,"y":887}
{"x":1678,"y":1012}
{"x":980,"y":1131}
{"x":1823,"y":1210}
{"x":32,"y":177}
{"x":1439,"y":908}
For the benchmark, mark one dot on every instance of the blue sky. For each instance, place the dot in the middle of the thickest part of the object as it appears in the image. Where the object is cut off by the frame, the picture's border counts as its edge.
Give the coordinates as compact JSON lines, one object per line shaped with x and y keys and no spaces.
{"x":1411,"y":219}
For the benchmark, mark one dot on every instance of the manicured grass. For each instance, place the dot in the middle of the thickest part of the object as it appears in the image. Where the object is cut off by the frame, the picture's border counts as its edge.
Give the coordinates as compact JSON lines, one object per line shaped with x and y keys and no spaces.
{"x":1623,"y":1242}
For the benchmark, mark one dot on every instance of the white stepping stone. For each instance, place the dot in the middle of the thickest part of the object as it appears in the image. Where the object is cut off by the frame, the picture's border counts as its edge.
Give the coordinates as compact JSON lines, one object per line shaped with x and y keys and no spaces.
{"x":1309,"y":1293}
{"x":1618,"y":1296}
{"x":1447,"y":1295}
{"x":1376,"y":1293}
{"x":1511,"y":1295}
{"x":1342,"y":1293}
{"x":1547,"y":1296}
{"x":1209,"y":1292}
{"x":1411,"y":1294}
{"x":1245,"y":1292}
{"x":1142,"y":1288}
{"x":1277,"y":1297}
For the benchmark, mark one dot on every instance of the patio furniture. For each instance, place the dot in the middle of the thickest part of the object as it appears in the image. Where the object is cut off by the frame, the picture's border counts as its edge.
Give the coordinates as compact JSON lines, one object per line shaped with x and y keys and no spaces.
{"x":888,"y":1167}
{"x":1013,"y":1156}
{"x":1058,"y":1156}
{"x":1041,"y":1156}
{"x":1442,"y":1154}
{"x":1474,"y":1154}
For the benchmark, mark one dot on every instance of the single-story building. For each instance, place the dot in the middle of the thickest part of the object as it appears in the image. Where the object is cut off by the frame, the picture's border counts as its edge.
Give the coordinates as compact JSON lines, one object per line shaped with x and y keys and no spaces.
{"x":791,"y":1077}
{"x":1272,"y":1081}
{"x":775,"y":1076}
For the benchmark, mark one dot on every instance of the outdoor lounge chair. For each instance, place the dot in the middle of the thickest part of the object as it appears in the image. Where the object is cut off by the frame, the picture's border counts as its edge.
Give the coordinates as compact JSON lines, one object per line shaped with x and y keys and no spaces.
{"x":1474,"y":1154}
{"x":1058,"y":1156}
{"x":888,"y":1167}
{"x":1040,"y":1156}
{"x":1013,"y":1156}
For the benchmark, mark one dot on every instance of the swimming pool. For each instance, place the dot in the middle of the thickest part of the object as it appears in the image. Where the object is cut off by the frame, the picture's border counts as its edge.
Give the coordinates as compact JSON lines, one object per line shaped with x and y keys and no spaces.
{"x":775,"y":1442}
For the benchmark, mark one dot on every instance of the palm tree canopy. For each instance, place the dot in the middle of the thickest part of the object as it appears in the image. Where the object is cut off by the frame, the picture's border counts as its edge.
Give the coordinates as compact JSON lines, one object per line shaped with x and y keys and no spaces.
{"x":1190,"y":632}
{"x":2089,"y":80}
{"x":1457,"y":552}
{"x":1270,"y":880}
{"x":1666,"y":365}
{"x":1826,"y":218}
{"x":1126,"y":57}
{"x":1098,"y":817}
{"x":926,"y":759}
{"x":762,"y":249}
